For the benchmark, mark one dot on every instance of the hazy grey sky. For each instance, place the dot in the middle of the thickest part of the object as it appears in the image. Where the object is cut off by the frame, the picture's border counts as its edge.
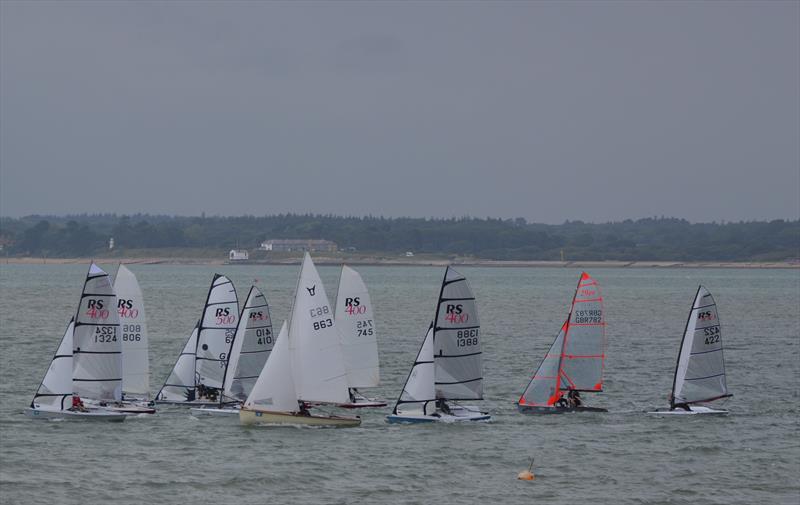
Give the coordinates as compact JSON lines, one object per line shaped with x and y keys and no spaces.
{"x":549,"y":111}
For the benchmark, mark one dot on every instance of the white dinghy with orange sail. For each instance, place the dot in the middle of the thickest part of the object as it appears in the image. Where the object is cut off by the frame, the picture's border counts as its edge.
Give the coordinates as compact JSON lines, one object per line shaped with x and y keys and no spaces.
{"x":700,"y":370}
{"x":574,"y":363}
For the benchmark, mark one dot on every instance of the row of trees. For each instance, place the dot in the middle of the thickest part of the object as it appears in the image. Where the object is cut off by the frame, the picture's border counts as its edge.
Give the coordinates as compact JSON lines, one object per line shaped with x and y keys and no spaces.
{"x":664,"y":239}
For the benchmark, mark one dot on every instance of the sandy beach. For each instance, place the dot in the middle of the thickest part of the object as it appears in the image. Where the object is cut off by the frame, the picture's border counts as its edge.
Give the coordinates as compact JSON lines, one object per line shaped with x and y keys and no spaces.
{"x":322,"y":259}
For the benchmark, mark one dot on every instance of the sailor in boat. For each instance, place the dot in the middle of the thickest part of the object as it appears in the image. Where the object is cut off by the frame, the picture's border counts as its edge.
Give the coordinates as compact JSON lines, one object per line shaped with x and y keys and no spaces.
{"x":442,"y":406}
{"x":304,"y":409}
{"x":77,"y":405}
{"x":574,"y":399}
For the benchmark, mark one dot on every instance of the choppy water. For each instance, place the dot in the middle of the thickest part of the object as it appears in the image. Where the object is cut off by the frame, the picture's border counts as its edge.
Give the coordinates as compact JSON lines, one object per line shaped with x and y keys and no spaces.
{"x":751,"y":456}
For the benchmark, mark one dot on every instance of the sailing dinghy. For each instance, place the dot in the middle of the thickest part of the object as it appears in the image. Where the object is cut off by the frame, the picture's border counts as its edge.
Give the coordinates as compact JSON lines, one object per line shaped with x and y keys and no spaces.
{"x":198,"y":381}
{"x":354,"y":318}
{"x":135,"y":360}
{"x":305,"y":367}
{"x":54,"y":398}
{"x":700,"y":370}
{"x":449,"y":365}
{"x":574,"y":362}
{"x":248,"y":354}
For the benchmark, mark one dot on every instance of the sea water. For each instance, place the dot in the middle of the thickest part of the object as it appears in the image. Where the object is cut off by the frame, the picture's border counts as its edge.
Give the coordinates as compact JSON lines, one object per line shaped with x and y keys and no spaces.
{"x":624,"y":456}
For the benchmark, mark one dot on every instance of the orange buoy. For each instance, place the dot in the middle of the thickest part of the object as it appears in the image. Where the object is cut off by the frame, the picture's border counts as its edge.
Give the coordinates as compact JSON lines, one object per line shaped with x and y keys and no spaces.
{"x":525,"y":475}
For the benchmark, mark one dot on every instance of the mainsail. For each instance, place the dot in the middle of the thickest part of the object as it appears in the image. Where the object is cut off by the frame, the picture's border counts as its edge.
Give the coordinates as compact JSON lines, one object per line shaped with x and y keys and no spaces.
{"x":700,"y":372}
{"x":317,"y":363}
{"x":274,"y":389}
{"x":357,"y":330}
{"x":576,"y":358}
{"x":180,"y":385}
{"x":251,"y":346}
{"x":133,"y":326}
{"x":419,"y":388}
{"x":458,"y":369}
{"x":55,"y":391}
{"x":217,"y":330}
{"x":97,"y":346}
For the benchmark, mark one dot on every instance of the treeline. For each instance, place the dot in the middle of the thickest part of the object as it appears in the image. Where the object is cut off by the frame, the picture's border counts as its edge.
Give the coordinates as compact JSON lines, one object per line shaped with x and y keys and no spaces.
{"x":655,"y":239}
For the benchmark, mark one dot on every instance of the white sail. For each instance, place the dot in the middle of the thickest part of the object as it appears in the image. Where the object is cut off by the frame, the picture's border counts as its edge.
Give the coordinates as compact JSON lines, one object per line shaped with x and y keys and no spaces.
{"x":180,"y":385}
{"x":456,"y":341}
{"x":700,"y":372}
{"x":274,"y":389}
{"x":317,"y":363}
{"x":97,"y":346}
{"x":357,"y":329}
{"x":419,"y":388}
{"x":133,"y":330}
{"x":251,"y":346}
{"x":55,"y":391}
{"x":217,"y":329}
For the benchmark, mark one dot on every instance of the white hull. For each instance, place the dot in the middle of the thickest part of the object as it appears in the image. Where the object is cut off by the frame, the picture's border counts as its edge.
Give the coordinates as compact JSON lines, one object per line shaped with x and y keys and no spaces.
{"x":124,"y":407}
{"x":457,"y":414}
{"x":216,"y":411}
{"x":695,"y":411}
{"x":251,"y":417}
{"x":90,"y":415}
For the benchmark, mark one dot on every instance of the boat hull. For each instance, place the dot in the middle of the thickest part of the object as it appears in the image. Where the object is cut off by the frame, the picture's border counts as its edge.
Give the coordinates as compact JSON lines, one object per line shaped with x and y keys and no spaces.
{"x":251,"y":417}
{"x":458,"y":413}
{"x":215,"y":411}
{"x":535,"y":410}
{"x":91,"y":415}
{"x":193,"y":403}
{"x":696,"y":410}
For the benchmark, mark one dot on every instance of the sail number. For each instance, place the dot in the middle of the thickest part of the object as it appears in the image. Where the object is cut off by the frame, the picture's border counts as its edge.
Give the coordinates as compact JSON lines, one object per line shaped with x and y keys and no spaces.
{"x":325,"y":323}
{"x":319,"y":311}
{"x":364,"y":328}
{"x":465,"y":338}
{"x":264,"y":336}
{"x":131,"y":332}
{"x":104,"y":334}
{"x":588,"y":316}
{"x":712,"y":334}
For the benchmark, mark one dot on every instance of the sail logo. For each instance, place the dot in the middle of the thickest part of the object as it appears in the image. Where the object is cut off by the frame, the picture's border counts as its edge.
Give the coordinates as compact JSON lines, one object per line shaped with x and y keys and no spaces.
{"x":94,"y":304}
{"x":257,"y":316}
{"x":125,"y":309}
{"x":588,"y":293}
{"x":705,"y":316}
{"x":223,"y":312}
{"x":311,"y":290}
{"x":455,"y":314}
{"x":353,"y":306}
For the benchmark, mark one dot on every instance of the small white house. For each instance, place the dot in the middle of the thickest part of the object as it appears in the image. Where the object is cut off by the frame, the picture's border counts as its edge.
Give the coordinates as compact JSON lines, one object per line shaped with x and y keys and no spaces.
{"x":238,"y":255}
{"x":409,"y":254}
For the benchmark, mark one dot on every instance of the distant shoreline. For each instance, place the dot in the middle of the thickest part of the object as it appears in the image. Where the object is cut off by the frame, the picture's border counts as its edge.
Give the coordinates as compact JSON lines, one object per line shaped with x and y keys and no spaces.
{"x":383,"y":261}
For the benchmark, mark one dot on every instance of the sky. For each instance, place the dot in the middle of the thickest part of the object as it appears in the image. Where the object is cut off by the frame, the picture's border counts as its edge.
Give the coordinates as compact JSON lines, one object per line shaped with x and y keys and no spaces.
{"x":551,"y":111}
